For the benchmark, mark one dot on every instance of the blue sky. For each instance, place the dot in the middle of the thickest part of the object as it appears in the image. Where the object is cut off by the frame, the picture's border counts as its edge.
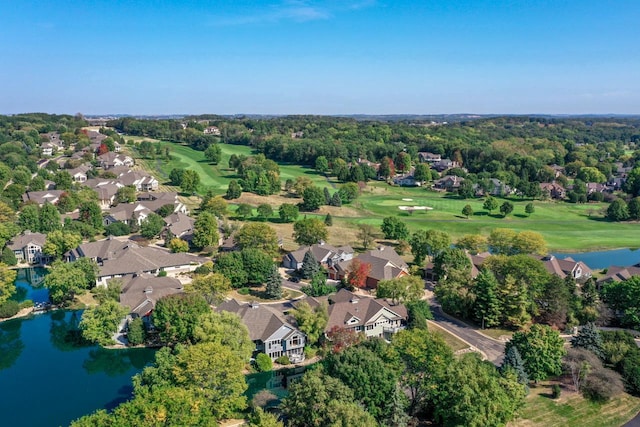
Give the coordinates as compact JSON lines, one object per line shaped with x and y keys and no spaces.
{"x":320,"y":57}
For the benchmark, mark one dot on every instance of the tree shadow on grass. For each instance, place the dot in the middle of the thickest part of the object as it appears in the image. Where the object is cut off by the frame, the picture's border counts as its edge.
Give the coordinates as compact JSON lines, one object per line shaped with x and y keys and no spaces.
{"x":521,"y":216}
{"x":481,"y":213}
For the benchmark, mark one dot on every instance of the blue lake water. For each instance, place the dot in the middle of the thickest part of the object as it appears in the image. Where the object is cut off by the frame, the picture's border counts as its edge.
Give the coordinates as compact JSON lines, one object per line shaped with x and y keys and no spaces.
{"x":48,"y":375}
{"x":604,"y":259}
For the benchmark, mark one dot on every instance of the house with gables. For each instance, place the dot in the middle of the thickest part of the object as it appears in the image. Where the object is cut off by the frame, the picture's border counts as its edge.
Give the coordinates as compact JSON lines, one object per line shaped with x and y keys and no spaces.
{"x":562,"y":268}
{"x":111,"y":160}
{"x":117,"y":258}
{"x":42,"y":197}
{"x":28,"y":246}
{"x":141,"y":292}
{"x":270,"y":329}
{"x":617,"y":273}
{"x":325,"y":254}
{"x":426,"y":157}
{"x":384,"y":262}
{"x":374,"y":317}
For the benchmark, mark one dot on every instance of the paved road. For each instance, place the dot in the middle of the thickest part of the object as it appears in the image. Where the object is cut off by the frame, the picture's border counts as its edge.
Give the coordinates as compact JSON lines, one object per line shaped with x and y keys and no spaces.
{"x":492,"y":349}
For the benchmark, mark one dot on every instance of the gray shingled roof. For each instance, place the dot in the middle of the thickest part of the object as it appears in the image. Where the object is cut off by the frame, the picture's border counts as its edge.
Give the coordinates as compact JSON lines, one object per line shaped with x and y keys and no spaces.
{"x":262,"y":321}
{"x":19,"y":242}
{"x":141,"y":292}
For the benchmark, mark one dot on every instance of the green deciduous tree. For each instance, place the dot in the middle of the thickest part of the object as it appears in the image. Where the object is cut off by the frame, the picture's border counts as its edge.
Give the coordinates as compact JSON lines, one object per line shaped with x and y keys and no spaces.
{"x":402,"y":289}
{"x":264,"y":211}
{"x":7,"y":282}
{"x":311,"y":321}
{"x":177,"y":245}
{"x":307,"y":404}
{"x":394,"y":228}
{"x":231,"y":266}
{"x":257,"y":235}
{"x":467,"y":211}
{"x":213,"y":287}
{"x":244,"y":210}
{"x":151,"y":226}
{"x":226,"y":329}
{"x":322,"y":164}
{"x":428,"y":242}
{"x":309,"y":231}
{"x":288,"y":212}
{"x":529,"y":209}
{"x":234,"y":190}
{"x":176,"y":316}
{"x":487,"y":398}
{"x":100,"y":323}
{"x":618,"y":210}
{"x":50,"y":218}
{"x":190,"y":181}
{"x":541,"y":349}
{"x":205,"y":231}
{"x":312,"y":198}
{"x":624,"y":298}
{"x":136,"y":332}
{"x":506,"y":208}
{"x":59,"y":242}
{"x":65,"y":280}
{"x":213,"y":153}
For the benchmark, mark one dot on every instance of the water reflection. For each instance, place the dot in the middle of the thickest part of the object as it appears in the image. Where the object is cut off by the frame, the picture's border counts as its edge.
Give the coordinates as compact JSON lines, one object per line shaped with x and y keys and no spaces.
{"x":65,"y":332}
{"x":274,"y":382}
{"x":116,"y":362}
{"x":11,"y":344}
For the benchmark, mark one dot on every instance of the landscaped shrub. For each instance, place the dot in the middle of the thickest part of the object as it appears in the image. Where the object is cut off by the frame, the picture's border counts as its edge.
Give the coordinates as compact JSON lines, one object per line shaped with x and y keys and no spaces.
{"x":555,"y":391}
{"x":244,"y":291}
{"x":601,"y":385}
{"x":162,"y":273}
{"x":26,"y":304}
{"x":205,"y":268}
{"x":9,"y":308}
{"x":263,"y":363}
{"x":283,"y":360}
{"x":310,"y":352}
{"x":631,"y":374}
{"x":136,"y":334}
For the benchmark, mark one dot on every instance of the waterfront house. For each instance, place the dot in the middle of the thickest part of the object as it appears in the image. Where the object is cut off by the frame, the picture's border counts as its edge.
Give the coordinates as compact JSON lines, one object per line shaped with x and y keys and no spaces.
{"x":28,"y":246}
{"x":270,"y":330}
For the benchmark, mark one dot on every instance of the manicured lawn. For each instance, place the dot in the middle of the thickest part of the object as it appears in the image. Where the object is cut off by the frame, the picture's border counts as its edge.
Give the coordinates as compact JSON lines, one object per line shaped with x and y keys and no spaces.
{"x":565,"y":226}
{"x":572,"y":410}
{"x":452,"y":341}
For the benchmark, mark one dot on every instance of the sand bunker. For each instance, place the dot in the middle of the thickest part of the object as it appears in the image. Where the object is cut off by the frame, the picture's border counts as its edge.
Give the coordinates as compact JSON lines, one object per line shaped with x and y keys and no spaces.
{"x":415,"y":208}
{"x":407,"y":200}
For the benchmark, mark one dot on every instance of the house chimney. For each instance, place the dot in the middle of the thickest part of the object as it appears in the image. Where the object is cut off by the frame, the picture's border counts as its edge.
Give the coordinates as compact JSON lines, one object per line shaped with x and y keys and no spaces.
{"x":254,"y":304}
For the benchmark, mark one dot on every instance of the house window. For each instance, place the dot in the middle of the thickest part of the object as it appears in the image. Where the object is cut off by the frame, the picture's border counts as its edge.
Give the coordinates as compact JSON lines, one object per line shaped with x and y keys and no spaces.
{"x":295,"y":341}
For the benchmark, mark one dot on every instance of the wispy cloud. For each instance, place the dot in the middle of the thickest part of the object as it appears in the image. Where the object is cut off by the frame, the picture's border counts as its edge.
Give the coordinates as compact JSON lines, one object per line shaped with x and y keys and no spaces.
{"x":291,"y":10}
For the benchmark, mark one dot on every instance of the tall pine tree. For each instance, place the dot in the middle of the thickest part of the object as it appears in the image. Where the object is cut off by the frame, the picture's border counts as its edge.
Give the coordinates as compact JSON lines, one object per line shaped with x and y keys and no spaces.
{"x":487,"y":305}
{"x":513,"y":360}
{"x":310,"y":266}
{"x":273,"y":288}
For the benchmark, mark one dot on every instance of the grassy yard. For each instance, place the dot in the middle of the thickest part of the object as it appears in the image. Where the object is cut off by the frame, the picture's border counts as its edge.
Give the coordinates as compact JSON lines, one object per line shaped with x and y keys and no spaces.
{"x":451,"y":340}
{"x":572,"y":410}
{"x":565,"y":227}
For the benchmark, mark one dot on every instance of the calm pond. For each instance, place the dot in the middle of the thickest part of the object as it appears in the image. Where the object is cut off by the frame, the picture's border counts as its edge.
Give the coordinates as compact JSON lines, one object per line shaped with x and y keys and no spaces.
{"x":48,"y":377}
{"x":605,"y":259}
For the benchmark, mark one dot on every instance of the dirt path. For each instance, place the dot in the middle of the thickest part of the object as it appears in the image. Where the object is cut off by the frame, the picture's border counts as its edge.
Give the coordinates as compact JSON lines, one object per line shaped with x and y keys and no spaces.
{"x":22,"y":313}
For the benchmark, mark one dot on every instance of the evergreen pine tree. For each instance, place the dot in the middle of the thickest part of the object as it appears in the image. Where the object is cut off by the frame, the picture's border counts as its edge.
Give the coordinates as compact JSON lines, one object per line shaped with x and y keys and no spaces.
{"x":336,"y":200}
{"x":487,"y":305}
{"x":513,"y":360}
{"x":397,"y":406}
{"x":328,"y":220}
{"x":273,"y":289}
{"x":310,"y":266}
{"x":588,"y":338}
{"x":327,"y":196}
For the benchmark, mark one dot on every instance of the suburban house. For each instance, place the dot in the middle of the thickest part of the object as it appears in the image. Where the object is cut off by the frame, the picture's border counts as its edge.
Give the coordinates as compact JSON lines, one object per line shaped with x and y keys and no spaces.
{"x":212,"y":130}
{"x":269,"y":329}
{"x":42,"y":197}
{"x":448,"y":183}
{"x":180,"y":225}
{"x":48,"y":149}
{"x":553,"y":190}
{"x":495,"y":188}
{"x":325,"y":254}
{"x":111,"y":160}
{"x":407,"y":179}
{"x":444,"y":164}
{"x":140,"y":292}
{"x":127,"y":212}
{"x":620,"y":274}
{"x":385,"y":264}
{"x":117,"y":258}
{"x":28,"y":246}
{"x":79,"y":174}
{"x":142,"y":181}
{"x":566,"y":267}
{"x":596,"y":187}
{"x":426,"y":157}
{"x":374,"y":317}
